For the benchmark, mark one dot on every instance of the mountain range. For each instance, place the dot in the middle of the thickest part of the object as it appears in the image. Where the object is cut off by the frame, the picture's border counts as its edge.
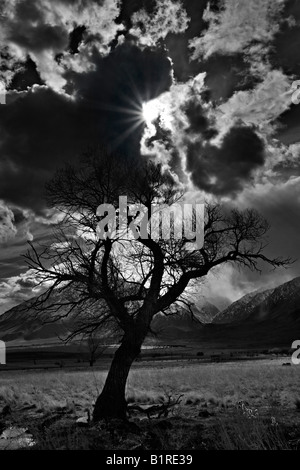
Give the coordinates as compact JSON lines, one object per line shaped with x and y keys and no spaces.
{"x":259,"y":319}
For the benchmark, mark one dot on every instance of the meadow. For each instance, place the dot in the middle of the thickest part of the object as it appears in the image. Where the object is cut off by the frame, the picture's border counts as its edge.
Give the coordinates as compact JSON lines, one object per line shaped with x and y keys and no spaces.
{"x":221,"y":384}
{"x":245,"y":404}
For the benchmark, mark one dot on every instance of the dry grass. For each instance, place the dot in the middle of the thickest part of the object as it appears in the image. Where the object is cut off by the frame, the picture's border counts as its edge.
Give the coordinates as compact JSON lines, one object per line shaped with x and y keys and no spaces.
{"x":250,"y":432}
{"x":259,"y":383}
{"x":249,"y":405}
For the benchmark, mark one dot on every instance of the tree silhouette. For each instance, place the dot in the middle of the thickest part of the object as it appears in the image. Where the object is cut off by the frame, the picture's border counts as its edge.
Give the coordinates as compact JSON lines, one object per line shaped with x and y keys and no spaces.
{"x":123,"y":282}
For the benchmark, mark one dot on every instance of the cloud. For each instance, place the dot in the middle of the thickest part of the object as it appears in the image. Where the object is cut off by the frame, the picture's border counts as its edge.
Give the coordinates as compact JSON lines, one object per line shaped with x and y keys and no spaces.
{"x":226,"y":169}
{"x":42,"y":30}
{"x":186,"y":130}
{"x":280,"y":204}
{"x":17,"y":289}
{"x":171,"y":109}
{"x":26,"y":76}
{"x":236,"y":25}
{"x":15,"y":225}
{"x":287,"y":125}
{"x":167,"y":17}
{"x":260,"y":106}
{"x":7,"y":227}
{"x":286,"y":163}
{"x":53,"y":128}
{"x":228,"y":284}
{"x":16,"y":228}
{"x":45,"y":123}
{"x":285,"y":46}
{"x":76,"y":76}
{"x":40,"y":37}
{"x":27,"y":226}
{"x":232,"y":284}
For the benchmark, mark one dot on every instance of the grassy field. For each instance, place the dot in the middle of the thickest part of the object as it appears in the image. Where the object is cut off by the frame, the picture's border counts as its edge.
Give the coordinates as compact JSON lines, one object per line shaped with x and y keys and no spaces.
{"x":223,"y":384}
{"x":216,"y":398}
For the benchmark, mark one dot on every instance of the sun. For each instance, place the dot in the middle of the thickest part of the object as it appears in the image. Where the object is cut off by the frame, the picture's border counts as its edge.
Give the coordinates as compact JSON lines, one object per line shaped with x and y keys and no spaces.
{"x":150,"y":111}
{"x":137,"y":113}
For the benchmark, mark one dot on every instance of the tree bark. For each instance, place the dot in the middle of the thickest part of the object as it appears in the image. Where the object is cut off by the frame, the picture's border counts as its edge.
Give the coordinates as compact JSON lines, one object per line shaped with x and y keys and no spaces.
{"x":111,"y":403}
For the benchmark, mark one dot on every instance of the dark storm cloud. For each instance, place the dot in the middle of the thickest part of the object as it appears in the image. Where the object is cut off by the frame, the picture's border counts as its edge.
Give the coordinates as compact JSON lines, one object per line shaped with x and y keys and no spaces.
{"x":29,"y":30}
{"x":38,"y":134}
{"x":198,"y":120}
{"x":41,"y":129}
{"x":39,"y":37}
{"x":28,"y":11}
{"x":225,"y":170}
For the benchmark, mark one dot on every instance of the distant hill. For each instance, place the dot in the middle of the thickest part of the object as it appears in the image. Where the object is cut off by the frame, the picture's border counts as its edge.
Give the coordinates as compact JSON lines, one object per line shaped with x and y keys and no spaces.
{"x":205,"y":311}
{"x":281,"y":304}
{"x":23,"y":323}
{"x":242,"y":308}
{"x":270,"y":317}
{"x":259,"y":319}
{"x":184,"y":326}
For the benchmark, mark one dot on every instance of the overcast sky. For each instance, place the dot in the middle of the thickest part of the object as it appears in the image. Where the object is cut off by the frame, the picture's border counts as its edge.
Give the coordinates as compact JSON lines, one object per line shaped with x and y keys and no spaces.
{"x":217,"y":77}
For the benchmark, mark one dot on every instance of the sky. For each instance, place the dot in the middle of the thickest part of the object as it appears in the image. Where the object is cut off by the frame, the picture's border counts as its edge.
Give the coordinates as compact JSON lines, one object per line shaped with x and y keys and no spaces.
{"x":209,"y":89}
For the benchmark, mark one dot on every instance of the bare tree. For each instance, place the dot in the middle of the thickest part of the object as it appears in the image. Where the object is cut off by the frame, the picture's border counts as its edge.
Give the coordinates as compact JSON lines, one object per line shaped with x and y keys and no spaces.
{"x":95,"y":348}
{"x":123,"y":281}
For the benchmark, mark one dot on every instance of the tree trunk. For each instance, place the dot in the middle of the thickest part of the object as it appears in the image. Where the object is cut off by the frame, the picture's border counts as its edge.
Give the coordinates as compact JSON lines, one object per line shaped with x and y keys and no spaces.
{"x":111,"y":402}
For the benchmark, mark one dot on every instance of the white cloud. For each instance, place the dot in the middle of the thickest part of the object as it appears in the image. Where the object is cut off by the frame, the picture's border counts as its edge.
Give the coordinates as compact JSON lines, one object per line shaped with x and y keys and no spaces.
{"x":228,"y":282}
{"x":266,"y":194}
{"x":170,"y":109}
{"x":258,"y":107}
{"x":17,"y":289}
{"x":98,"y":18}
{"x":8,"y":229}
{"x":236,"y":26}
{"x":15,"y":224}
{"x":21,"y":35}
{"x":168,"y":17}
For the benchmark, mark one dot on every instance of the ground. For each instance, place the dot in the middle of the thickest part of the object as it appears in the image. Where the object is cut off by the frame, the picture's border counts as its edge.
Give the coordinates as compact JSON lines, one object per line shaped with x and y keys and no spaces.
{"x":244,"y":404}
